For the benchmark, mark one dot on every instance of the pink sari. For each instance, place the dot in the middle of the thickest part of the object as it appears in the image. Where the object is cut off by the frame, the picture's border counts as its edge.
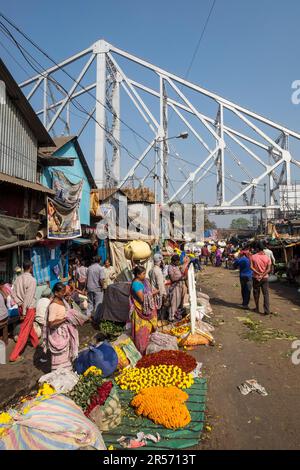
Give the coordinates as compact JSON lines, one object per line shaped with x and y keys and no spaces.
{"x":63,"y":341}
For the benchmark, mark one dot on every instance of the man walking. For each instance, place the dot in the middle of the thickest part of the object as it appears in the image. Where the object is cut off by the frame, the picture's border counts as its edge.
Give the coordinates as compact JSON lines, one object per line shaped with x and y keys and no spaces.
{"x":24,"y":295}
{"x":95,"y":284}
{"x":244,"y":265}
{"x":205,"y":254}
{"x":261,"y":266}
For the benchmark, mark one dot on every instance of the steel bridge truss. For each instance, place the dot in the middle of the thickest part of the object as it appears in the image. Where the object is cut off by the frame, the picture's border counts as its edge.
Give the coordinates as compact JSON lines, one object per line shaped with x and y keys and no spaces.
{"x":171,"y":93}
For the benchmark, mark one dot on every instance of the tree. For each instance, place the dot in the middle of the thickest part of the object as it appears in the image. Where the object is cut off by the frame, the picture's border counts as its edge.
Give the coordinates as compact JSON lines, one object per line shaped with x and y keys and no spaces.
{"x":240,"y":223}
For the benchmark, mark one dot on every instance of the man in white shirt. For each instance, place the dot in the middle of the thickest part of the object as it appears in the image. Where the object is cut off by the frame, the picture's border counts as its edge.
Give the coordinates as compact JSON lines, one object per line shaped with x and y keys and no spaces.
{"x":269,"y":254}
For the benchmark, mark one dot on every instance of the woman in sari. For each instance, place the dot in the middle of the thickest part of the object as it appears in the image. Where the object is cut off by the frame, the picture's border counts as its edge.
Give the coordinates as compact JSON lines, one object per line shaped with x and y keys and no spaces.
{"x":177,"y":290}
{"x":61,"y":330}
{"x":143,"y":309}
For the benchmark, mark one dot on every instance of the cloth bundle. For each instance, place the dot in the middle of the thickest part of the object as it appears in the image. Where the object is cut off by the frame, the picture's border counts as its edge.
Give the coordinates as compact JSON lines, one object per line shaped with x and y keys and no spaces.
{"x":56,"y":423}
{"x":161,"y":342}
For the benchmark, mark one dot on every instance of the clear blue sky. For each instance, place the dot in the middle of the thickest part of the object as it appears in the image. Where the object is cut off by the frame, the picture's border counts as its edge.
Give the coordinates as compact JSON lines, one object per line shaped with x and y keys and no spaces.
{"x":249,"y":53}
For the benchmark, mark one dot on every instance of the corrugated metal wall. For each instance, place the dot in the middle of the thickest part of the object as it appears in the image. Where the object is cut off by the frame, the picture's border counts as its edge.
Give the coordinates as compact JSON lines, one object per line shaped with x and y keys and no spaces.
{"x":18,"y":146}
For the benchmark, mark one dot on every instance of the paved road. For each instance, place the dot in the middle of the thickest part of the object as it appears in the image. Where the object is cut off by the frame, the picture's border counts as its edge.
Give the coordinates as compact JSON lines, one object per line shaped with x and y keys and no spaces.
{"x":252,"y":421}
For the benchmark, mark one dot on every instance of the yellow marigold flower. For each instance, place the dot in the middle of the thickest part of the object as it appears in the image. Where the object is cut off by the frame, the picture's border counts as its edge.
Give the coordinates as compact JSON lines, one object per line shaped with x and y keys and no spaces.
{"x":45,"y":390}
{"x":26,"y":409}
{"x":5,"y":418}
{"x":92,"y":370}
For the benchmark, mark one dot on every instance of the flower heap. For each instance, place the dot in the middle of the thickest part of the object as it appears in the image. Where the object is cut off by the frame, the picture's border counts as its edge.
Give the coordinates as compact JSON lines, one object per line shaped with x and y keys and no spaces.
{"x":45,"y":391}
{"x":136,"y":379}
{"x":180,"y":330}
{"x":86,"y":387}
{"x":163,"y":405}
{"x":5,"y":421}
{"x":100,"y":397}
{"x":92,"y":370}
{"x":184,"y":361}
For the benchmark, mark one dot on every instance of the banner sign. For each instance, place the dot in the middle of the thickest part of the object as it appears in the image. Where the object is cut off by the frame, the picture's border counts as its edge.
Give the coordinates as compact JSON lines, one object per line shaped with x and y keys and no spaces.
{"x":63,"y":224}
{"x":63,"y":210}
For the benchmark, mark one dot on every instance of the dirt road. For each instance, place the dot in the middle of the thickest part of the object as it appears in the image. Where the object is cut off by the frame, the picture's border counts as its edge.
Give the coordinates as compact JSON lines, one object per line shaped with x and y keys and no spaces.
{"x":252,"y":421}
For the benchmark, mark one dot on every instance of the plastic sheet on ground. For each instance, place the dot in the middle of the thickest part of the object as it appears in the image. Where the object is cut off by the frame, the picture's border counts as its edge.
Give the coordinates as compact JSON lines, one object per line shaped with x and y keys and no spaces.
{"x":170,"y":439}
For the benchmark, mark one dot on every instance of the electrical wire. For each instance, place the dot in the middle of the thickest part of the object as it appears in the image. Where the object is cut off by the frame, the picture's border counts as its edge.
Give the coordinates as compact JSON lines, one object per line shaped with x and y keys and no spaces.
{"x":200,"y":39}
{"x":77,"y":105}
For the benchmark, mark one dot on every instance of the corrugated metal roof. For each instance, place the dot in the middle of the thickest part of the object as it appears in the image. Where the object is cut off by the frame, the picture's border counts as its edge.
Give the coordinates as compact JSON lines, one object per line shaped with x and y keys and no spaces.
{"x":25,"y":184}
{"x":20,"y":101}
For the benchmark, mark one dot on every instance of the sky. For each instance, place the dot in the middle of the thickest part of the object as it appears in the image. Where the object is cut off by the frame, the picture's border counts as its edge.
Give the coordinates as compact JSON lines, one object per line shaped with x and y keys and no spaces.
{"x":248,"y":54}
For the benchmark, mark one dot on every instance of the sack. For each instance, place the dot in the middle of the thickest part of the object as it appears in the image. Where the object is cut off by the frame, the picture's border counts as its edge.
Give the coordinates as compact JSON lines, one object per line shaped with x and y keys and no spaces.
{"x":194,"y":340}
{"x":125,"y":343}
{"x":161,"y":342}
{"x":122,"y":358}
{"x":137,"y":250}
{"x":104,"y":357}
{"x":109,"y":415}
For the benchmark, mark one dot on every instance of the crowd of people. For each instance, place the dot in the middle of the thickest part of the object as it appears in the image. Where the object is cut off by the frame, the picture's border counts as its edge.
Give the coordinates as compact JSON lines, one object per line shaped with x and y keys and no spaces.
{"x":53,"y":320}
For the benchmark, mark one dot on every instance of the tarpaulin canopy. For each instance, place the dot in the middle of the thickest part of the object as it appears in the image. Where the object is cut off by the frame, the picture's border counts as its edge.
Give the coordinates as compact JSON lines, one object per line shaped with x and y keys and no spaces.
{"x":13,"y":229}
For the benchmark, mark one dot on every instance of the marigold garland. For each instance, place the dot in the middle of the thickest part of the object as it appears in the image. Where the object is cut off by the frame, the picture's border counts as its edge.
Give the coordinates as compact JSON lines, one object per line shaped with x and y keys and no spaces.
{"x":136,"y":378}
{"x":163,"y":405}
{"x":185,"y":361}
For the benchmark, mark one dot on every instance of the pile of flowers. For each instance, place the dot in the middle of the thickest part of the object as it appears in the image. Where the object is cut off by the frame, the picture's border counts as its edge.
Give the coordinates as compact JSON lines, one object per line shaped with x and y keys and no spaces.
{"x":163,"y":405}
{"x":136,"y":379}
{"x":100,"y":397}
{"x":180,"y":330}
{"x":184,"y":361}
{"x":45,"y":391}
{"x":5,"y":421}
{"x":86,"y":387}
{"x":92,"y":370}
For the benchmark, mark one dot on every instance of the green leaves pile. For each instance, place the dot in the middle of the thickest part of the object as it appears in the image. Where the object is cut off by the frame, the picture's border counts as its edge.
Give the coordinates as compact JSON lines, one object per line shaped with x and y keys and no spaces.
{"x":85,"y":388}
{"x":109,"y":328}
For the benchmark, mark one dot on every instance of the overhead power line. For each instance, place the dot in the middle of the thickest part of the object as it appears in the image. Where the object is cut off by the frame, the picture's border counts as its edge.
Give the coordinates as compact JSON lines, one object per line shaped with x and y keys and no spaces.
{"x":200,"y":38}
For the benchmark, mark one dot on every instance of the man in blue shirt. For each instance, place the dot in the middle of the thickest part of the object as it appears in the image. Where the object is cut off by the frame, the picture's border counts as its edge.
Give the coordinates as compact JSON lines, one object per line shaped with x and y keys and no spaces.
{"x":244,"y":265}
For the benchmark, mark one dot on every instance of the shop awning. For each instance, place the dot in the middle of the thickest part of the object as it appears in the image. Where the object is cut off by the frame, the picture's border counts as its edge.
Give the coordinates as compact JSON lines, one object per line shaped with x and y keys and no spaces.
{"x":82,"y":241}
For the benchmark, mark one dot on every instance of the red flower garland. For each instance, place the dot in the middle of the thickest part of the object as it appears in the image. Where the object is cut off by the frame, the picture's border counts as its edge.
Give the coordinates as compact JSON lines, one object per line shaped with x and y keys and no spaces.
{"x":185,"y":361}
{"x":100,"y":397}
